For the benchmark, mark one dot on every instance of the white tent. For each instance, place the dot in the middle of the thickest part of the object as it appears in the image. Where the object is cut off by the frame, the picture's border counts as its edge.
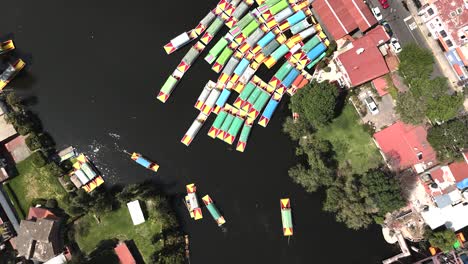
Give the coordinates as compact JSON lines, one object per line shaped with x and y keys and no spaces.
{"x":135,"y":212}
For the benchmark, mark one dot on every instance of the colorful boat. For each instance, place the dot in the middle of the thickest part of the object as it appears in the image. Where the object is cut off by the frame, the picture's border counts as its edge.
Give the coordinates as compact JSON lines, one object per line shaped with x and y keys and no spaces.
{"x":244,"y":136}
{"x":179,"y":41}
{"x":10,"y":72}
{"x":286,"y":217}
{"x":138,"y":158}
{"x":204,"y":94}
{"x":213,"y":132}
{"x":269,"y":110}
{"x":210,"y":102}
{"x":87,"y":173}
{"x":213,"y":210}
{"x":6,"y":46}
{"x":193,"y":129}
{"x":233,"y":130}
{"x":191,"y":201}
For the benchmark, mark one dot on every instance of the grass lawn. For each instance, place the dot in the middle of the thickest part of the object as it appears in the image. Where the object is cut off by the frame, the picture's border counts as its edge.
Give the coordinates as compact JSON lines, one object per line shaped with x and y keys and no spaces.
{"x":118,"y":224}
{"x":353,"y":145}
{"x":34,"y":183}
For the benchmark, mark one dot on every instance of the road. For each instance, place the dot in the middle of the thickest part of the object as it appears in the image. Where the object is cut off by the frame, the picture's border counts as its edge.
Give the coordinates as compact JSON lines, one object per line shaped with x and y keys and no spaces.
{"x":404,"y":27}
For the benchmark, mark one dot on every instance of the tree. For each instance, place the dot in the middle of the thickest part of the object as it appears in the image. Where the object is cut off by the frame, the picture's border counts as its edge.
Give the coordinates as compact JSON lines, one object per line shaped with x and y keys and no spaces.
{"x":411,"y":109}
{"x":415,"y":63}
{"x":449,"y":138}
{"x":20,"y":121}
{"x":13,"y":101}
{"x":316,"y":103}
{"x":444,"y":108}
{"x":33,"y":141}
{"x":297,"y":129}
{"x":51,"y":203}
{"x":38,"y":159}
{"x":443,"y":240}
{"x":382,"y":191}
{"x":320,"y":164}
{"x":343,"y":199}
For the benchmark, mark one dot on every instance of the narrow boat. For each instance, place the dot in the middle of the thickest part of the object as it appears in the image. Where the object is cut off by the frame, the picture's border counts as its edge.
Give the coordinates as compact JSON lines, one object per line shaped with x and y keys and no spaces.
{"x":138,"y":158}
{"x":6,"y":46}
{"x":191,"y":201}
{"x":213,"y":210}
{"x":286,"y":217}
{"x":10,"y":72}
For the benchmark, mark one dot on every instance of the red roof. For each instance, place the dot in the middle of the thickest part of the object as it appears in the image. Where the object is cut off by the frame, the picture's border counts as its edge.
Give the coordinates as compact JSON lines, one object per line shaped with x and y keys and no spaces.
{"x":40,"y":213}
{"x":124,"y":254}
{"x":402,"y":142}
{"x":380,"y":84}
{"x":459,"y":170}
{"x":364,"y":62}
{"x":341,"y":17}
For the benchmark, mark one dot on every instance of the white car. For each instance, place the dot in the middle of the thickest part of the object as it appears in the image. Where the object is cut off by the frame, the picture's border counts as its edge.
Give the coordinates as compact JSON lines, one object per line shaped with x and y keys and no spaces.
{"x":376,"y":12}
{"x":395,"y":45}
{"x":371,"y":105}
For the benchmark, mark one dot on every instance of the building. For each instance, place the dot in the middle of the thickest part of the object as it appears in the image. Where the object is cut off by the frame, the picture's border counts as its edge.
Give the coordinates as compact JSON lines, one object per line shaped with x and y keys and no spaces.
{"x":446,"y":186}
{"x":135,"y":212}
{"x":39,"y":236}
{"x":124,"y":254}
{"x":343,"y":17}
{"x":405,"y":146}
{"x":363,"y":61}
{"x":447,"y":21}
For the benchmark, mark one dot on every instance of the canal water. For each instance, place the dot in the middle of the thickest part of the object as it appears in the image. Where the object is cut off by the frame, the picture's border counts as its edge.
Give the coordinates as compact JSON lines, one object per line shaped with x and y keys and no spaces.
{"x":94,"y":68}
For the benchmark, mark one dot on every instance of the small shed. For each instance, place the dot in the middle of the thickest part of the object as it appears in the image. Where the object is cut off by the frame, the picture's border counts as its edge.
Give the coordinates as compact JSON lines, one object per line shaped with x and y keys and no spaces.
{"x":135,"y":212}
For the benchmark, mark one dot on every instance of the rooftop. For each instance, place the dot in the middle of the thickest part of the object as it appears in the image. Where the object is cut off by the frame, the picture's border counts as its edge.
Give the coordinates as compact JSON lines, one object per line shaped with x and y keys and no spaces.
{"x":6,"y":130}
{"x":38,"y":238}
{"x":124,"y":254}
{"x":455,"y":16}
{"x":453,"y":217}
{"x":405,"y":145}
{"x":135,"y":212}
{"x":341,"y":17}
{"x":364,"y":61}
{"x":38,"y":213}
{"x":380,"y":84}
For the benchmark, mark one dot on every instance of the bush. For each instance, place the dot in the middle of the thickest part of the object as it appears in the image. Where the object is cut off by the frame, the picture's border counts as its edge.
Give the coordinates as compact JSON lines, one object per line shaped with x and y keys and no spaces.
{"x":38,"y":159}
{"x":51,"y":203}
{"x":54,"y":169}
{"x":33,"y":141}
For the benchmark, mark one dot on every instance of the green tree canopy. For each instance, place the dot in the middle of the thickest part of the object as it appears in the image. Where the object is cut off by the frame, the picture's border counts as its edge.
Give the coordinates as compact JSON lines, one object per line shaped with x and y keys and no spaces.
{"x":445,"y":107}
{"x":411,"y":108}
{"x":297,"y":129}
{"x":382,"y":191}
{"x":316,"y":103}
{"x":349,"y":207}
{"x":449,"y":138}
{"x":443,"y":240}
{"x":357,"y":200}
{"x":320,"y":164}
{"x":415,"y":63}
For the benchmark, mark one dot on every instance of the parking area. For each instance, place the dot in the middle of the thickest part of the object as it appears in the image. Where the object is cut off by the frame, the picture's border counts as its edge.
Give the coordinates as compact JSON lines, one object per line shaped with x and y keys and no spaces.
{"x":386,"y":113}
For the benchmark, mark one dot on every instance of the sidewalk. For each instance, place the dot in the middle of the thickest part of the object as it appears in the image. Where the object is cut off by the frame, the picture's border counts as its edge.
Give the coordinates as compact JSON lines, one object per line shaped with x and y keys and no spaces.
{"x":440,"y":58}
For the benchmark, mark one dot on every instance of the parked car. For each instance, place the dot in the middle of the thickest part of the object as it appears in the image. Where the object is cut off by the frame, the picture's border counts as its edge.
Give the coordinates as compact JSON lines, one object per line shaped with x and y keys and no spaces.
{"x":387,"y":27}
{"x":384,"y":4}
{"x":395,"y":45}
{"x":371,"y":105}
{"x":377,"y":14}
